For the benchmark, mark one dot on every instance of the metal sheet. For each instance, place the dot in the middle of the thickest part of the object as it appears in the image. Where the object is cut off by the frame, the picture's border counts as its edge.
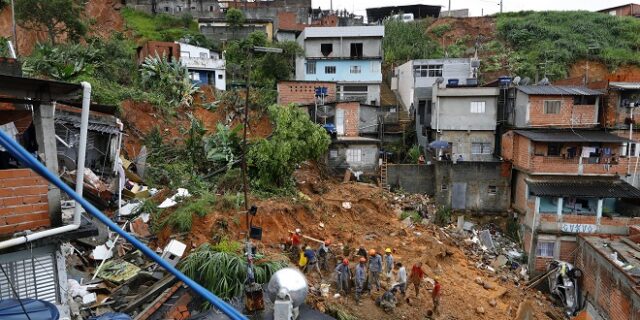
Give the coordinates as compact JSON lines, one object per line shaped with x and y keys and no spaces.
{"x":32,"y":278}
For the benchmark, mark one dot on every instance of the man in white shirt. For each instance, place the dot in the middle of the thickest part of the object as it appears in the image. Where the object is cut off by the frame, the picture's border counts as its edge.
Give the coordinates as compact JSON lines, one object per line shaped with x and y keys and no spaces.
{"x":401,"y":280}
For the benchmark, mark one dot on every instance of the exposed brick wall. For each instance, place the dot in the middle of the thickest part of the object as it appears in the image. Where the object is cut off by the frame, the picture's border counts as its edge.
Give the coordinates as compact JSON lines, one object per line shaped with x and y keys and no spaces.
{"x":520,"y":196}
{"x":507,"y":145}
{"x":303,"y":92}
{"x":289,"y":21}
{"x":23,"y":201}
{"x":632,"y":10}
{"x":570,"y":114}
{"x":567,"y":250}
{"x":151,"y":48}
{"x":351,"y":117}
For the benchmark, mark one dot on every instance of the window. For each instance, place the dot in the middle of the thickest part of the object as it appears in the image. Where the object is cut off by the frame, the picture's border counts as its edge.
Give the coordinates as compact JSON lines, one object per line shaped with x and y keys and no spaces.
{"x":545,"y":249}
{"x":354,"y":155}
{"x":32,"y":276}
{"x":431,"y":71}
{"x":552,"y":106}
{"x":179,"y":9}
{"x":553,"y":149}
{"x":492,"y":190}
{"x":353,"y":92}
{"x":481,"y":148}
{"x":166,"y":9}
{"x":220,"y":76}
{"x":311,"y":68}
{"x":422,"y":104}
{"x":613,"y":13}
{"x":330,"y":69}
{"x":584,"y":100}
{"x":356,"y":50}
{"x":185,"y":54}
{"x":210,"y":8}
{"x":326,"y":49}
{"x":355,"y":69}
{"x":477,"y":107}
{"x":444,"y":187}
{"x":333,"y":154}
{"x":204,"y":55}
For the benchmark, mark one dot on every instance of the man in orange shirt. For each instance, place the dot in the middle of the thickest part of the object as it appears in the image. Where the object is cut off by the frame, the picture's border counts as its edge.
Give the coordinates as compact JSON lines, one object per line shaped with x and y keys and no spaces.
{"x":435,"y":295}
{"x":416,"y":276}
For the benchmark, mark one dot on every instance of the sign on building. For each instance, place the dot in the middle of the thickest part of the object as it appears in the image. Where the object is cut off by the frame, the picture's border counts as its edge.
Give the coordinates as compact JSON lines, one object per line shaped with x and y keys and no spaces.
{"x":578,"y":228}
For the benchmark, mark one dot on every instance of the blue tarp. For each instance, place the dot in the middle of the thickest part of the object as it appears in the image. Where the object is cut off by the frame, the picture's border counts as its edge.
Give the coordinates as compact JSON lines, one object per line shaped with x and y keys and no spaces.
{"x":10,"y":309}
{"x":112,"y":316}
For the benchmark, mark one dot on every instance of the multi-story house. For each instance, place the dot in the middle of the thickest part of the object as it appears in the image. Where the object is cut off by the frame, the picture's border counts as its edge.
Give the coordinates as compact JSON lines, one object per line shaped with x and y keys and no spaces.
{"x":566,"y":177}
{"x":349,"y":56}
{"x":204,"y":65}
{"x":628,"y":10}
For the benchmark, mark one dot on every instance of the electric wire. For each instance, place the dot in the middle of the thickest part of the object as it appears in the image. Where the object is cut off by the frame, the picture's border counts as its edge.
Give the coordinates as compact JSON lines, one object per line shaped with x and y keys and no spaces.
{"x":15,"y":293}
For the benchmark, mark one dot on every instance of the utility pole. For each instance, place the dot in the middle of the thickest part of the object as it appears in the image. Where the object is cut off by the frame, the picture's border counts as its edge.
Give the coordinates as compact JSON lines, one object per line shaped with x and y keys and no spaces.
{"x":13,"y":27}
{"x":449,"y":8}
{"x":331,"y":6}
{"x":501,"y":6}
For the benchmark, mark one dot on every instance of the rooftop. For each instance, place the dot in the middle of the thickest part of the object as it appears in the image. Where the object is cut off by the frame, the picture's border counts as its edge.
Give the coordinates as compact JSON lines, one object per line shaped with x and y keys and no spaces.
{"x":596,"y":188}
{"x":625,"y":85}
{"x":346,"y":32}
{"x":571,"y":136}
{"x":552,"y":90}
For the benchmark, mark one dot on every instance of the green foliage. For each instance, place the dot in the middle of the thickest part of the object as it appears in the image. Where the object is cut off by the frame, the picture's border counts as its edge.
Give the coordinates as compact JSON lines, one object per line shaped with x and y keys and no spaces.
{"x":223,"y":272}
{"x":231,"y":201}
{"x":55,"y":17}
{"x":62,"y":62}
{"x":415,"y":216}
{"x":413,"y":154}
{"x":549,"y":42}
{"x":4,"y":3}
{"x":440,"y":30}
{"x":408,"y":40}
{"x":223,"y":147}
{"x":295,"y":139}
{"x":230,"y":181}
{"x":4,"y":46}
{"x":235,"y":18}
{"x":169,"y":77}
{"x":182,"y":218}
{"x":161,"y":27}
{"x":442,"y":217}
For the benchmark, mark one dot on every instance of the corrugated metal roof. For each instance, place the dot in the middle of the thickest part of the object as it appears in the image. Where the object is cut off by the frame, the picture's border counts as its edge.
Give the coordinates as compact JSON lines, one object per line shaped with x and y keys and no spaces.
{"x":571,"y":136}
{"x":97,"y":127}
{"x":591,"y":188}
{"x":335,"y":32}
{"x":559,"y":91}
{"x":625,"y":85}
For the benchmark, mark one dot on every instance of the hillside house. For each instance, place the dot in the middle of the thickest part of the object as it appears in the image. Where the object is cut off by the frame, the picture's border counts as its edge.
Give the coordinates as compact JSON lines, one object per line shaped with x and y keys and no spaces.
{"x":169,"y":50}
{"x":627,"y":10}
{"x":304,"y":92}
{"x":205,"y":66}
{"x":566,"y":177}
{"x":349,"y":56}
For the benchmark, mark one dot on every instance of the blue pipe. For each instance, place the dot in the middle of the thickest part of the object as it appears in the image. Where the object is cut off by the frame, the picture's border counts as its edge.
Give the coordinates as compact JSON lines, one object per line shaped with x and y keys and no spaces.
{"x":21,"y":154}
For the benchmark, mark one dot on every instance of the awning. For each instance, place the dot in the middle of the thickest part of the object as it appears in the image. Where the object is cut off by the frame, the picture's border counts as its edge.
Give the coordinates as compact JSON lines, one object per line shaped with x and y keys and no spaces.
{"x":571,"y":136}
{"x":625,"y":85}
{"x":590,"y":188}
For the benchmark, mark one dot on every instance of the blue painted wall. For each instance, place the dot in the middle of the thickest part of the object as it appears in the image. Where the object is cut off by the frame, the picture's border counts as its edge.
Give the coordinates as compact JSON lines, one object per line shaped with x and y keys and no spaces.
{"x":370,"y":71}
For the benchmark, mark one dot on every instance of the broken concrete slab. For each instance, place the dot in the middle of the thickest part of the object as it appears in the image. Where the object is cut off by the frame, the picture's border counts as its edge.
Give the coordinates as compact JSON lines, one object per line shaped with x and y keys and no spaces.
{"x":486,"y":240}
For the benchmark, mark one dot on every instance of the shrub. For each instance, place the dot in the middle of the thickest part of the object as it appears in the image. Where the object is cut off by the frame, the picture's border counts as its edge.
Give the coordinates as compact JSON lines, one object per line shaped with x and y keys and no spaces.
{"x":414,"y":215}
{"x":442,"y":217}
{"x":407,"y":40}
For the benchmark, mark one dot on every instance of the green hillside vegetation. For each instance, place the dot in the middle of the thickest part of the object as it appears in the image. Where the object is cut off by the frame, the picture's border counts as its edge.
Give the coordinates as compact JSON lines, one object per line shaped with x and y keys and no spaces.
{"x":162,"y":27}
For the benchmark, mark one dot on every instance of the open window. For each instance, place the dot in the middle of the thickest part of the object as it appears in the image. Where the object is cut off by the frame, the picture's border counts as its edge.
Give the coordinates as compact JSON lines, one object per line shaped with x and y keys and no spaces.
{"x":356,"y":51}
{"x":553,"y":149}
{"x":326,"y":49}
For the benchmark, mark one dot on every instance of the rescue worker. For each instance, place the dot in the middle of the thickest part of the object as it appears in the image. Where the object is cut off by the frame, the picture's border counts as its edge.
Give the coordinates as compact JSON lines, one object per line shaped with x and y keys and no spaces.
{"x":388,"y":263}
{"x":435,"y":295}
{"x":375,"y":267}
{"x":360,"y":278}
{"x":401,"y":281}
{"x":343,"y":276}
{"x":323,"y":253}
{"x":388,"y":300}
{"x":295,"y":241}
{"x":362,"y":252}
{"x":416,"y":276}
{"x":312,"y":260}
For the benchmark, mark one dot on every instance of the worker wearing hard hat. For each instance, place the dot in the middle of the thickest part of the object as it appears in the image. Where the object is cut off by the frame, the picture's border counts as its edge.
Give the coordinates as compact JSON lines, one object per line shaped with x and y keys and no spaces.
{"x":375,"y":267}
{"x":388,"y":263}
{"x":360,"y":277}
{"x":343,"y":276}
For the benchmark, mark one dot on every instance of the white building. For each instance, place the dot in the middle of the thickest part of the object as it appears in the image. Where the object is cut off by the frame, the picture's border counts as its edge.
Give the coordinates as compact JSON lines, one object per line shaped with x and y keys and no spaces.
{"x":205,"y":66}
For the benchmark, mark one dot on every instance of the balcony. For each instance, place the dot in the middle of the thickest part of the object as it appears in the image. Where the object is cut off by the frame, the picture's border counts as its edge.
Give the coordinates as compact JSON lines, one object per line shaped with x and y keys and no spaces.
{"x":573,"y":166}
{"x":202,"y":63}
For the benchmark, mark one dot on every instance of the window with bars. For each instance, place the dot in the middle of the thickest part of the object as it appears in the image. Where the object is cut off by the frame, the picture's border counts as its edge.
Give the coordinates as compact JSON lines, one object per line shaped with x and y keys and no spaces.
{"x":492,"y":190}
{"x":552,"y":106}
{"x":478,"y":107}
{"x":481,"y":148}
{"x":355,"y":69}
{"x":311,"y":68}
{"x":354,"y":155}
{"x":545,"y":249}
{"x":330,"y":69}
{"x":431,"y":70}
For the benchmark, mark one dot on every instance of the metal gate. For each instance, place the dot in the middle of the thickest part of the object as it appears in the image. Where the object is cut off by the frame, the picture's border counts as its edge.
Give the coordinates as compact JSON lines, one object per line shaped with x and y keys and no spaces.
{"x":33,"y":274}
{"x":459,"y":196}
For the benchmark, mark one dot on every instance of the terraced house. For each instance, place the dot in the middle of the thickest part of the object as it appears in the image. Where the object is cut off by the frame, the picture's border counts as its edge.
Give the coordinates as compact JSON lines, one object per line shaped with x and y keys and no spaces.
{"x":567,"y":170}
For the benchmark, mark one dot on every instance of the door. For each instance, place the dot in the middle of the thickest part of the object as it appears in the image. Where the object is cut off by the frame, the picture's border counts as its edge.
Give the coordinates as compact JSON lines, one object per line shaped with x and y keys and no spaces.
{"x":459,"y":196}
{"x":340,"y":122}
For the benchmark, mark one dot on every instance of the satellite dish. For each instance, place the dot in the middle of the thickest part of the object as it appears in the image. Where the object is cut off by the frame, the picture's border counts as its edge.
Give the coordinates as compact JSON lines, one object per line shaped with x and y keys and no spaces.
{"x":440,"y":80}
{"x":516,"y":80}
{"x":525,"y":81}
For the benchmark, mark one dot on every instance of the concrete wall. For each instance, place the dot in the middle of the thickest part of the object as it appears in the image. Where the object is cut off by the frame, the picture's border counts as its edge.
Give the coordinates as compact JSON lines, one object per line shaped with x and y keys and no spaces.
{"x":369,"y":156}
{"x":369,"y":70}
{"x":220,"y":31}
{"x":412,"y":178}
{"x":462,"y":144}
{"x":453,"y":109}
{"x":452,"y":69}
{"x":473,"y":180}
{"x":23,"y":202}
{"x":405,"y":84}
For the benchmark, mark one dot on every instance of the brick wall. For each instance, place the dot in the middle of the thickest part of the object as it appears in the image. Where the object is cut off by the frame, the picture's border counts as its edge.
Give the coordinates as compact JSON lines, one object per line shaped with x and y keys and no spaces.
{"x":507,"y":145}
{"x":151,"y":48}
{"x":351,"y":117}
{"x":569,"y":115}
{"x":23,"y":201}
{"x":567,"y":250}
{"x":520,"y":196}
{"x":303,"y":92}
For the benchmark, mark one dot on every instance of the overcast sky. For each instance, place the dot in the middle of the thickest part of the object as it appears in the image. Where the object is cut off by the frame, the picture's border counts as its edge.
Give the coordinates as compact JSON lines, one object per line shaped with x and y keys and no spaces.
{"x":476,"y":6}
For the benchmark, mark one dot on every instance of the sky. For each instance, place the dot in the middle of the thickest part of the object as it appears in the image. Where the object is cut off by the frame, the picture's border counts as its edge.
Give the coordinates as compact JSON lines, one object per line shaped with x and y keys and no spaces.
{"x":476,"y":7}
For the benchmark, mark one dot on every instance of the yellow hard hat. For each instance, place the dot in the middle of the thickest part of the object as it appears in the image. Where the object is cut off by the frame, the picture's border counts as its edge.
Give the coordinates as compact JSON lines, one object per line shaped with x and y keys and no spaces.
{"x":387,"y":250}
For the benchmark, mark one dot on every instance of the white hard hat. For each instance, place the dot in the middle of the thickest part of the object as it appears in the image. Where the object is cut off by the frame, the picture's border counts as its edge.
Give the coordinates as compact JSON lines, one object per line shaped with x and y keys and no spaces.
{"x":298,"y":231}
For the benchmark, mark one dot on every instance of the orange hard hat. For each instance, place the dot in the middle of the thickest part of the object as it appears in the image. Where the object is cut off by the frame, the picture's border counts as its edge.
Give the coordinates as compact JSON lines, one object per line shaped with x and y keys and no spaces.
{"x":345,"y":261}
{"x":363,"y":259}
{"x":372,"y":252}
{"x":327,"y":242}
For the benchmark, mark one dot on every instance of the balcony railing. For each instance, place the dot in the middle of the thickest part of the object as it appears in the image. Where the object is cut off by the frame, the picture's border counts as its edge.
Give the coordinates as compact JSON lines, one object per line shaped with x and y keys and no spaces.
{"x":589,"y":166}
